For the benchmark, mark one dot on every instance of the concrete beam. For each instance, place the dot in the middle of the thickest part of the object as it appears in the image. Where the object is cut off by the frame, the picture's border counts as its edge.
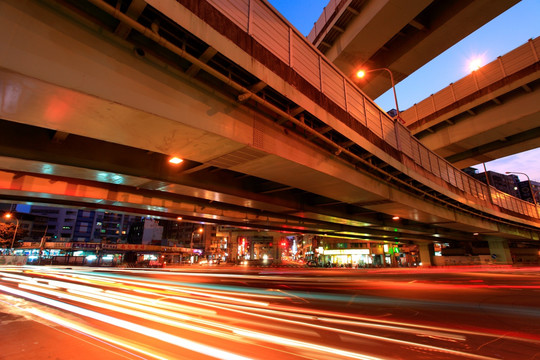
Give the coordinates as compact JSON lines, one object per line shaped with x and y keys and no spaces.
{"x":375,"y":25}
{"x":497,"y":149}
{"x":205,"y":57}
{"x":429,"y":27}
{"x":135,"y":9}
{"x":474,"y":137}
{"x":82,"y":83}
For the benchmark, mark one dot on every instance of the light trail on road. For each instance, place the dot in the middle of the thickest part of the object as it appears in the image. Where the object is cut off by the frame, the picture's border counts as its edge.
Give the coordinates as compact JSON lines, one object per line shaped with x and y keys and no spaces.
{"x":153,"y":313}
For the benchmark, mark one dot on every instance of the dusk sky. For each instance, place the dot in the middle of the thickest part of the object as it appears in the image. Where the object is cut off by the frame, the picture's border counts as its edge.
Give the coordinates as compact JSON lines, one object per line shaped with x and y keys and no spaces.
{"x":503,"y":34}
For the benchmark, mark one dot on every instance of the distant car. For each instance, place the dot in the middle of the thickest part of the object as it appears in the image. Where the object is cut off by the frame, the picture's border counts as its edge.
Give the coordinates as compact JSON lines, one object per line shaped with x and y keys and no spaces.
{"x":208,"y":262}
{"x":256,"y":262}
{"x":312,"y":263}
{"x":251,"y":262}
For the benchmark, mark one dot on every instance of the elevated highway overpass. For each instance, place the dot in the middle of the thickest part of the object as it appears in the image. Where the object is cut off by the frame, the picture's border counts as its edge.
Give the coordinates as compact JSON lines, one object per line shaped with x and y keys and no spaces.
{"x":95,"y":99}
{"x":491,"y":113}
{"x":399,"y":35}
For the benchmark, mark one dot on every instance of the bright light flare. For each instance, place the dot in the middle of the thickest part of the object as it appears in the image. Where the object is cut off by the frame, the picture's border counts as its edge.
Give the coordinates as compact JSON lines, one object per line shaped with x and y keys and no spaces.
{"x":475,"y":63}
{"x":175,"y":160}
{"x":360,"y":74}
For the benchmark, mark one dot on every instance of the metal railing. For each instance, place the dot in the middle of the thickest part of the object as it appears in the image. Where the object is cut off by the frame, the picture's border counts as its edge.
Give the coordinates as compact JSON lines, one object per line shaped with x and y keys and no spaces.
{"x":322,"y":22}
{"x":271,"y":30}
{"x":503,"y":67}
{"x":267,"y":27}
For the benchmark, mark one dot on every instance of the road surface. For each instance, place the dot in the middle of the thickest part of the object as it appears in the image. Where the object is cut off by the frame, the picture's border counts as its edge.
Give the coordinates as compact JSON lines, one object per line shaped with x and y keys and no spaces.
{"x":269,"y":313}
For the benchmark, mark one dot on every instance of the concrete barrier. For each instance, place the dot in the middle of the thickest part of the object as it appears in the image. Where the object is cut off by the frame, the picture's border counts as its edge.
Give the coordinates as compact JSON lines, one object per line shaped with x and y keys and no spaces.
{"x":13,"y":260}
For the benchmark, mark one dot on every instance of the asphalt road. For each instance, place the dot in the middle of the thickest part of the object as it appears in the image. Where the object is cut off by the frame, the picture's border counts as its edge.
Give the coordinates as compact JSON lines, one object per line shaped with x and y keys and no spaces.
{"x":269,"y":313}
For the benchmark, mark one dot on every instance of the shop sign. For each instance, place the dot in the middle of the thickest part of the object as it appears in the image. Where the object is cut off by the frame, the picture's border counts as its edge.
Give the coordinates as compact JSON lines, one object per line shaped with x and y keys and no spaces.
{"x":130,"y":247}
{"x":85,"y":245}
{"x":27,"y":244}
{"x":58,"y":245}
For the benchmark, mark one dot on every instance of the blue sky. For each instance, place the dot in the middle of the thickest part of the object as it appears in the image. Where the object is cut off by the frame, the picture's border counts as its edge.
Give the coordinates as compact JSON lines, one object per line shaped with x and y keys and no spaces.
{"x":504,"y":33}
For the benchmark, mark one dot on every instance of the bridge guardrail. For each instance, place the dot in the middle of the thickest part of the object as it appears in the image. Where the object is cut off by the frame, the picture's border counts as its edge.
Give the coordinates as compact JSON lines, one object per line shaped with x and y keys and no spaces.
{"x":504,"y":66}
{"x":16,"y":260}
{"x":274,"y":32}
{"x":321,"y":23}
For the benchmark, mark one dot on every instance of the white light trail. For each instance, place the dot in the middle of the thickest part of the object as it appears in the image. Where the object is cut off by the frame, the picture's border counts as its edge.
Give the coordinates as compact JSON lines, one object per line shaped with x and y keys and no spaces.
{"x":143,"y":330}
{"x":166,"y":304}
{"x":355,"y":333}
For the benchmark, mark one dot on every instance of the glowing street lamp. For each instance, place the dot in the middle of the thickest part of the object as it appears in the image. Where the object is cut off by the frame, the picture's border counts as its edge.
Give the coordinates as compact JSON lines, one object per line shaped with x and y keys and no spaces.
{"x":175,"y":160}
{"x":9,"y":216}
{"x":361,"y":73}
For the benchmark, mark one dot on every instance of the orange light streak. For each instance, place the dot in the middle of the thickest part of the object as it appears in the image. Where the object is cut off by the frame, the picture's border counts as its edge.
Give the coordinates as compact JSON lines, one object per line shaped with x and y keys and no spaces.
{"x":160,"y":311}
{"x":143,"y":330}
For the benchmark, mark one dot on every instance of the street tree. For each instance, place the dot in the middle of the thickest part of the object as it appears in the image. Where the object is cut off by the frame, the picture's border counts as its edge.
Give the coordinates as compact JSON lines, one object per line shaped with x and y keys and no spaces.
{"x":6,"y":233}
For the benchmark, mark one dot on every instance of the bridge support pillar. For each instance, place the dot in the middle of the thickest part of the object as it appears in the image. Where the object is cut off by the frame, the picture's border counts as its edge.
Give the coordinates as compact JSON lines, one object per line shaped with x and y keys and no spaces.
{"x":232,"y":247}
{"x":276,"y":248}
{"x":426,"y":253}
{"x":500,"y":251}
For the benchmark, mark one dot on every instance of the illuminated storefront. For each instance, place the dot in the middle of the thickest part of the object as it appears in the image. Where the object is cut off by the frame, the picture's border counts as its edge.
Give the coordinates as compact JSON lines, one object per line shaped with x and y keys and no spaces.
{"x":352,"y":257}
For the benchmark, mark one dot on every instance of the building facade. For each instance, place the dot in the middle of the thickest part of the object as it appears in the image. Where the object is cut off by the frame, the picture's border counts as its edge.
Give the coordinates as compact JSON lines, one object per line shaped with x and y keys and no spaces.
{"x":502,"y":182}
{"x":525,"y":188}
{"x":69,"y":224}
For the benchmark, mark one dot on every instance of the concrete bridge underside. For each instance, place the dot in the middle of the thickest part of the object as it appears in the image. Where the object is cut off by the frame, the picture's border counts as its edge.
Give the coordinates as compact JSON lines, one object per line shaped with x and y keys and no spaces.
{"x":96,"y":118}
{"x":499,"y":124}
{"x":399,"y":35}
{"x":491,"y":113}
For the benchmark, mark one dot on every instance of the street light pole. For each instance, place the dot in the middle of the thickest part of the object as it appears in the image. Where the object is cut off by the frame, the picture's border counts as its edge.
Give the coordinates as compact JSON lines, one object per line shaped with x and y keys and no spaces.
{"x":41,"y":244}
{"x":530,"y":185}
{"x":191,"y":248}
{"x":14,"y":235}
{"x":362,"y":73}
